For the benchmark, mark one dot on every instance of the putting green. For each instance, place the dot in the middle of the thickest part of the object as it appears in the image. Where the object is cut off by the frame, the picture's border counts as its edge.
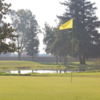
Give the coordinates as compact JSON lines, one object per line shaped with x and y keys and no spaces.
{"x":49,"y":88}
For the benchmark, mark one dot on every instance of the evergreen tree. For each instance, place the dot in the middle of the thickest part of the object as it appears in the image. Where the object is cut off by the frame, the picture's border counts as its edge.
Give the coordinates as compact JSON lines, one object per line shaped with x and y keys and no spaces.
{"x":85,"y":24}
{"x":6,"y":30}
{"x":32,"y":39}
{"x":49,"y":38}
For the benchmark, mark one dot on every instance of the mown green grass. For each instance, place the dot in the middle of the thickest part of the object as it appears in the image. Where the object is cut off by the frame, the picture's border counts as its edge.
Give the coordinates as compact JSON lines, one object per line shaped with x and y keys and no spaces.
{"x":49,"y":88}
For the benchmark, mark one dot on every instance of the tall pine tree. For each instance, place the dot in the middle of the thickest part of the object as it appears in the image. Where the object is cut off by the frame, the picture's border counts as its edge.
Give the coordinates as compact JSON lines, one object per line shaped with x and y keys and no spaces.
{"x":49,"y":38}
{"x":85,"y":27}
{"x":32,"y":39}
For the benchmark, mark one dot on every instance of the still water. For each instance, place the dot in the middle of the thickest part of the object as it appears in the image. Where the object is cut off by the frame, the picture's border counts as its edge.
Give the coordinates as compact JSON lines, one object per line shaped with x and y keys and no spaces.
{"x":38,"y":71}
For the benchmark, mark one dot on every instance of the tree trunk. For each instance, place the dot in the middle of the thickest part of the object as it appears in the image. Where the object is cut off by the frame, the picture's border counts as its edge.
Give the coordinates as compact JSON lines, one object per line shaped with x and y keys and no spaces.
{"x":19,"y":56}
{"x":59,"y":71}
{"x":60,"y":59}
{"x":19,"y":53}
{"x":19,"y":72}
{"x":82,"y":59}
{"x":65,"y":61}
{"x":32,"y":58}
{"x":83,"y":62}
{"x":57,"y":60}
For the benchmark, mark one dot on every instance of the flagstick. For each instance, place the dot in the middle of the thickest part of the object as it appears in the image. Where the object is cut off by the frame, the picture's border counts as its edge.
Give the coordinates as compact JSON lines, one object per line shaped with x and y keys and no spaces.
{"x":72,"y":53}
{"x":68,"y":25}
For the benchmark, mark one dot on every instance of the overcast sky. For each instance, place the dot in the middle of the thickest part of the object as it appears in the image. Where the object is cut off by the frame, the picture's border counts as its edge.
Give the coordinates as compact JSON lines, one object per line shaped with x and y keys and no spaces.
{"x":45,"y":11}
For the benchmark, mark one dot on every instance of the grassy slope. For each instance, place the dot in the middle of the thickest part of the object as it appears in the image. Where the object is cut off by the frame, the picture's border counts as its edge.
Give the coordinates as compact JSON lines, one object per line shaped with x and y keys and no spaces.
{"x":49,"y":88}
{"x":36,"y":64}
{"x":27,"y":64}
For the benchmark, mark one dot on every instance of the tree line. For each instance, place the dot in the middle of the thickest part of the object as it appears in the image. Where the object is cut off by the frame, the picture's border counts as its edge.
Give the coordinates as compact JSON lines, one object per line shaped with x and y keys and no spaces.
{"x":24,"y":32}
{"x":21,"y":33}
{"x":85,"y":27}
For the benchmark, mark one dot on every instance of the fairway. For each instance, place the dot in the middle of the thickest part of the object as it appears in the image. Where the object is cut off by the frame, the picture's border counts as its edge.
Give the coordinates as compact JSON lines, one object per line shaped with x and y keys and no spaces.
{"x":49,"y":88}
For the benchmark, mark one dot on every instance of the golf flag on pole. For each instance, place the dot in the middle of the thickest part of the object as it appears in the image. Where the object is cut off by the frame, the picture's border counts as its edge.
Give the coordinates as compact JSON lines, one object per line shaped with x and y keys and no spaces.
{"x":67,"y":25}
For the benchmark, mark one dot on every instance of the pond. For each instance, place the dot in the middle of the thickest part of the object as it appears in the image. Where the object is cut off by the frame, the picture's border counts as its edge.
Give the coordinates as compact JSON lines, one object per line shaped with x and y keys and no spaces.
{"x":37,"y":71}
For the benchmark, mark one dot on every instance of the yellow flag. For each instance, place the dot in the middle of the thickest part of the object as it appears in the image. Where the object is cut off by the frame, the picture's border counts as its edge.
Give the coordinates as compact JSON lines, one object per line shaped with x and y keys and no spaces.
{"x":67,"y":25}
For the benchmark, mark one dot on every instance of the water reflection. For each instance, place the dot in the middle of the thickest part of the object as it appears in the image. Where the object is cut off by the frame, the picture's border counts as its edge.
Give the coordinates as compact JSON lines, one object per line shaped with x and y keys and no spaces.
{"x":38,"y":71}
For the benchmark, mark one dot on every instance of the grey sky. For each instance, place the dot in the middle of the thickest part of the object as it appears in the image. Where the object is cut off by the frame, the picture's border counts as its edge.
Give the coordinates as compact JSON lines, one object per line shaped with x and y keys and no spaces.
{"x":45,"y":11}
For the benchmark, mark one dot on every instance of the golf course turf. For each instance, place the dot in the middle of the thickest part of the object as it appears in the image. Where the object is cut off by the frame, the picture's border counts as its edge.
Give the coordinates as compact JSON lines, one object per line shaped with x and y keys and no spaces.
{"x":49,"y":88}
{"x":35,"y":86}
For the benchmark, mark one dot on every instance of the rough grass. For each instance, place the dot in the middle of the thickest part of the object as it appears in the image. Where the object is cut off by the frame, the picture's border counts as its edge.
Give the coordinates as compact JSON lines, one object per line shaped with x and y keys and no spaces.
{"x":28,"y":65}
{"x":25,"y":65}
{"x":76,"y":64}
{"x":49,"y":88}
